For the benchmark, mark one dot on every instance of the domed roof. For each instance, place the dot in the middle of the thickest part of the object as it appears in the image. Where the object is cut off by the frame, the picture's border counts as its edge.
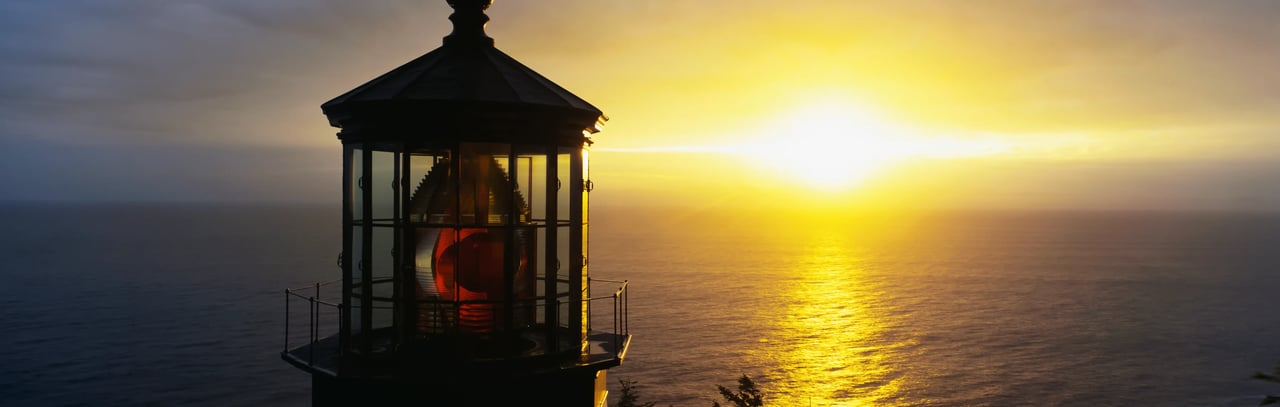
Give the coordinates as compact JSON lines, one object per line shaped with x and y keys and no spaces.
{"x":465,"y":86}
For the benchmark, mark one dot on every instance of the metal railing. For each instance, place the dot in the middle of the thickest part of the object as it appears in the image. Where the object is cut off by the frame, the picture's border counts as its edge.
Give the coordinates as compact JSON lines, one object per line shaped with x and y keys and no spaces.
{"x":312,"y":295}
{"x":620,"y":308}
{"x":444,"y":317}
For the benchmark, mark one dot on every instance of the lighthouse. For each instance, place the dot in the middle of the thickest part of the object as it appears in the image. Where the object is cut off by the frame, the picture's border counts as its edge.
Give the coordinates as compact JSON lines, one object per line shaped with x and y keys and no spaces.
{"x":464,"y":261}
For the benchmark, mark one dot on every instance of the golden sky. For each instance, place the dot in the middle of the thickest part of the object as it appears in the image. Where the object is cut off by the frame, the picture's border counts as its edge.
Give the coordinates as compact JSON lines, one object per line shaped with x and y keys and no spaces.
{"x":816,"y":104}
{"x":1118,"y":104}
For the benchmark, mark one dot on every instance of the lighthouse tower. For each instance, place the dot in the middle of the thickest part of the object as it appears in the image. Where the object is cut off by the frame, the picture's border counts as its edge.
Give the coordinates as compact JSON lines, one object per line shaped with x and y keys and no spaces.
{"x":464,"y":240}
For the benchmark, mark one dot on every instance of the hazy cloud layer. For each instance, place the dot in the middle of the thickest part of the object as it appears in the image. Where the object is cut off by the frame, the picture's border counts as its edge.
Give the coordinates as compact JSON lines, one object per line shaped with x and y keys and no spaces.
{"x":193,"y":100}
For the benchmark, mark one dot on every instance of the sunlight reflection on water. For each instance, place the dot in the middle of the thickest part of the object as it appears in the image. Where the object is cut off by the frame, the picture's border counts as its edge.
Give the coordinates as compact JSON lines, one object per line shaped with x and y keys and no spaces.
{"x":831,"y":344}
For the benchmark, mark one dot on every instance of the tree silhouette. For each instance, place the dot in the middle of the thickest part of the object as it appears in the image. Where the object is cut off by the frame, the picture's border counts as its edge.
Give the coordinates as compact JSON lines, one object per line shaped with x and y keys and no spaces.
{"x":748,"y":394}
{"x":630,"y":397}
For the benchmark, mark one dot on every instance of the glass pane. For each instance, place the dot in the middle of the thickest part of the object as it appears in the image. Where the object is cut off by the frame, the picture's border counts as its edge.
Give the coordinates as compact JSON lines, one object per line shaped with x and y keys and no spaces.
{"x":563,"y":291}
{"x":382,"y":313}
{"x":382,"y":257}
{"x":470,"y":264}
{"x":357,"y":281}
{"x":383,"y":262}
{"x":525,"y":278}
{"x":563,"y":311}
{"x":541,"y":271}
{"x":382,"y":181}
{"x":484,"y":189}
{"x":422,"y":189}
{"x":535,"y":186}
{"x":429,"y":291}
{"x":356,"y":170}
{"x":433,"y":195}
{"x":562,"y":187}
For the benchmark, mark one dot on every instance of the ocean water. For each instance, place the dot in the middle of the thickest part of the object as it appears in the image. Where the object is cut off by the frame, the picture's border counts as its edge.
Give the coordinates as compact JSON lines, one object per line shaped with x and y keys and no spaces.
{"x":183,"y":305}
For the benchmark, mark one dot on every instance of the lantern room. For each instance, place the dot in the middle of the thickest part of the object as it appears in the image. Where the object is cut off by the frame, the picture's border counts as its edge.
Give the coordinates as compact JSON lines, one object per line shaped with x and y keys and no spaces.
{"x":464,"y":236}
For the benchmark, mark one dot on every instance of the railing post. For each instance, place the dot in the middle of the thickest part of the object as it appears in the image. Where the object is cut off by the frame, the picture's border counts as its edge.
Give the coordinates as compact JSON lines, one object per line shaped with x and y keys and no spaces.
{"x":286,"y":319}
{"x":311,"y":359}
{"x":626,"y":309}
{"x":342,"y":349}
{"x":616,"y":324}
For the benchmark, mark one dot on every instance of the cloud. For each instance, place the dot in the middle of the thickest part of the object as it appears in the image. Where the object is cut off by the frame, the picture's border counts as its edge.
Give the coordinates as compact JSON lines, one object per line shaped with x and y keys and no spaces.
{"x":232,"y":83}
{"x":130,"y":67}
{"x":176,"y":99}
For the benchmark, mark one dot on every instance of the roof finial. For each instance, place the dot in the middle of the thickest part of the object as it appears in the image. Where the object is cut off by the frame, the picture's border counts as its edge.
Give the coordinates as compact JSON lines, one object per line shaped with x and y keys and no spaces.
{"x":468,"y":23}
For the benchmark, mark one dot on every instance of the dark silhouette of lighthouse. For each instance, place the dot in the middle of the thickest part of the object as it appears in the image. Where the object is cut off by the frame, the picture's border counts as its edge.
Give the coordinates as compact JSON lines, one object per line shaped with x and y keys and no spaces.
{"x":464,"y":262}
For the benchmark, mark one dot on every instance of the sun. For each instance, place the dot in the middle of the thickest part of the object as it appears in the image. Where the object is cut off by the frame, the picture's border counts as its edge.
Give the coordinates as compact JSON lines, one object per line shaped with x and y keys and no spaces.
{"x":830,"y":146}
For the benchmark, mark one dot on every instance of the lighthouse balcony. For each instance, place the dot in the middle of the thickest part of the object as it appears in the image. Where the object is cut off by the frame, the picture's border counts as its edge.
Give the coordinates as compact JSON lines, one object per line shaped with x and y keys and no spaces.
{"x":313,"y":339}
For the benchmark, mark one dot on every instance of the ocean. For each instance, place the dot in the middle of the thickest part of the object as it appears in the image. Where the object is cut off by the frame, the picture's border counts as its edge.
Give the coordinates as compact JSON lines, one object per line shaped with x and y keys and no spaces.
{"x":168,"y":304}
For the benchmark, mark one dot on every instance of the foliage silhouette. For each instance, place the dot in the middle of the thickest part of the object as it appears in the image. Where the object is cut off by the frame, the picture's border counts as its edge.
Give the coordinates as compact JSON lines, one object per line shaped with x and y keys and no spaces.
{"x":748,"y":394}
{"x":630,"y":397}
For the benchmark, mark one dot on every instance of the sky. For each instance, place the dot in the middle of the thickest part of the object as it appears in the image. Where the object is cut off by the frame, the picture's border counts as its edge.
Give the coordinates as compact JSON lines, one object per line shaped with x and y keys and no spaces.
{"x":1099,"y":105}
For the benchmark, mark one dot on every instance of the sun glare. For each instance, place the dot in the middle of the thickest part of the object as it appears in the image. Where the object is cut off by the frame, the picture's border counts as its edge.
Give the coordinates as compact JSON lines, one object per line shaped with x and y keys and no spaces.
{"x":829,"y":146}
{"x":837,"y":145}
